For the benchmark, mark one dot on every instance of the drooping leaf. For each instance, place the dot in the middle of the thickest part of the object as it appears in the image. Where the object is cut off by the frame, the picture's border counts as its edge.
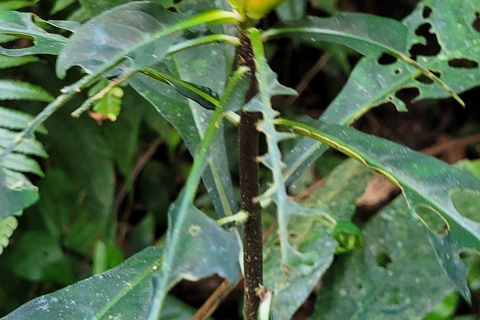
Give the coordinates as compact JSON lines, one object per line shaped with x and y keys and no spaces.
{"x":372,"y":84}
{"x":207,"y":66}
{"x":21,"y":25}
{"x":370,"y":35}
{"x":380,"y":281}
{"x":17,"y":90}
{"x":342,"y":187}
{"x":427,"y":183}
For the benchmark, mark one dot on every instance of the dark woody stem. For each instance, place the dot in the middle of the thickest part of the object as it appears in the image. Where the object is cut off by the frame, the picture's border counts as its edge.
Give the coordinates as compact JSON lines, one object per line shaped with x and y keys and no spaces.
{"x":248,"y":152}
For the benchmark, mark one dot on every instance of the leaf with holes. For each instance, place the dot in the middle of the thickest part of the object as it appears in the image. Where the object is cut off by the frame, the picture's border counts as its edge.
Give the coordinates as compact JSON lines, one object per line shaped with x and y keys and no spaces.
{"x":21,"y":25}
{"x":432,"y":188}
{"x":455,"y":41}
{"x":380,"y":282}
{"x":314,"y":233}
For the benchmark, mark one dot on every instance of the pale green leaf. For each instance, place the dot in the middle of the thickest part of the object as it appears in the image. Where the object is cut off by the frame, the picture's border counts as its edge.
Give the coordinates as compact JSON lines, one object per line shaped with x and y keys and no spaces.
{"x":291,"y":288}
{"x":396,"y":275}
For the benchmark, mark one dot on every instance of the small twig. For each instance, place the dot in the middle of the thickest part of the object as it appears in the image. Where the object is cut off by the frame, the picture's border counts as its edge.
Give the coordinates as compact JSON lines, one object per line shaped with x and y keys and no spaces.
{"x":309,"y":76}
{"x":307,"y":192}
{"x":126,"y":186}
{"x":444,"y":146}
{"x":215,"y":299}
{"x":141,"y":162}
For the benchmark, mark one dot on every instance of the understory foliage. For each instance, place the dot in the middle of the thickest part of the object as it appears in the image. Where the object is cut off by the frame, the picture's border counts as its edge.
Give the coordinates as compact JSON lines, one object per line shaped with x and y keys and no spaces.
{"x":160,"y":77}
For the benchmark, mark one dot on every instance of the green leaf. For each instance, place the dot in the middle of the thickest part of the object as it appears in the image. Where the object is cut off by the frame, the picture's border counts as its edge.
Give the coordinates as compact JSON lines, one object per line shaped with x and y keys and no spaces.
{"x":16,"y":4}
{"x":42,"y":250}
{"x":16,"y":191}
{"x":17,"y":90}
{"x":380,"y":281}
{"x":9,"y":62}
{"x":94,"y":7}
{"x":21,"y":25}
{"x":370,"y":35}
{"x":60,"y":5}
{"x":428,"y":185}
{"x":7,"y":227}
{"x":106,"y":256}
{"x":205,"y":65}
{"x":104,"y":297}
{"x":372,"y":84}
{"x":12,"y":119}
{"x":90,"y":199}
{"x":141,"y":40}
{"x":340,"y":191}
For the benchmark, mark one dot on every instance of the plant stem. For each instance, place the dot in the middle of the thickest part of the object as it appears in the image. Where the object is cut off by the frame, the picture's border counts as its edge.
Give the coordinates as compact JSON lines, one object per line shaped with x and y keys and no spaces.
{"x":248,"y":152}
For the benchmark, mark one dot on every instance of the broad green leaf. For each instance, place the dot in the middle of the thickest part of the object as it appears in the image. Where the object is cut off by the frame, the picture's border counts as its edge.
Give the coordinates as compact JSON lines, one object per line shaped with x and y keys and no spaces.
{"x":372,"y":84}
{"x":16,"y":4}
{"x":42,"y":250}
{"x":22,"y":25}
{"x":427,"y":183}
{"x":207,"y":66}
{"x":17,"y":90}
{"x":140,"y":40}
{"x":104,"y":297}
{"x":370,"y":35}
{"x":9,"y":62}
{"x":396,"y":275}
{"x":342,"y":187}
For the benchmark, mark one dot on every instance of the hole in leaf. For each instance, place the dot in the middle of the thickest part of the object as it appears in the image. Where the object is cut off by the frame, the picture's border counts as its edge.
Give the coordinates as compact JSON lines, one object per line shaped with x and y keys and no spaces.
{"x":476,"y":22}
{"x":194,"y":230}
{"x":466,"y":202}
{"x":426,"y":80}
{"x":383,"y":259}
{"x":432,"y":48}
{"x":432,"y":219}
{"x":464,"y":255}
{"x":386,"y":59}
{"x":397,"y":71}
{"x":463,"y":63}
{"x":427,"y":11}
{"x":407,"y":94}
{"x":177,"y":1}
